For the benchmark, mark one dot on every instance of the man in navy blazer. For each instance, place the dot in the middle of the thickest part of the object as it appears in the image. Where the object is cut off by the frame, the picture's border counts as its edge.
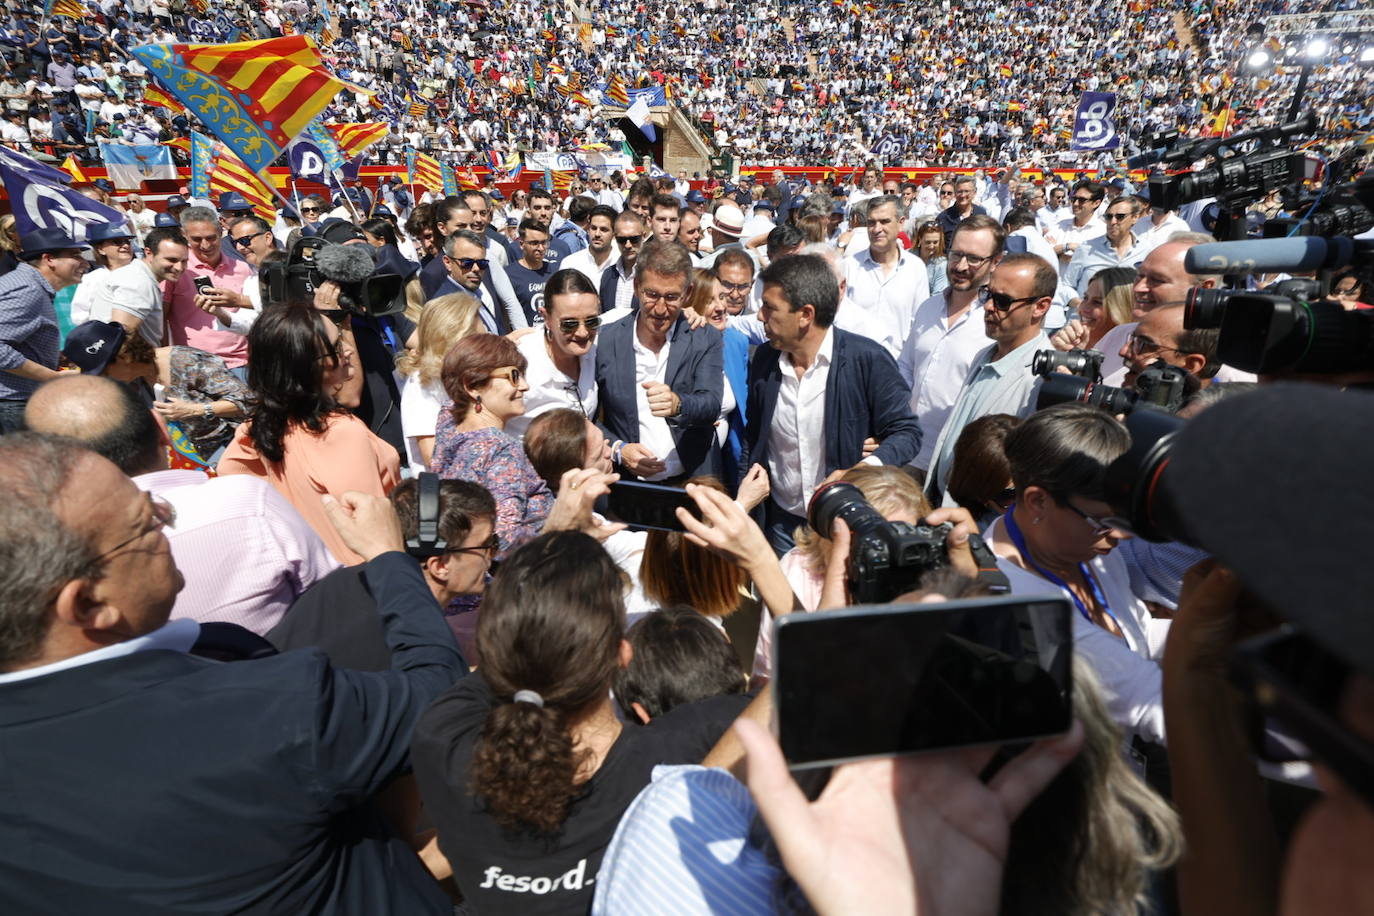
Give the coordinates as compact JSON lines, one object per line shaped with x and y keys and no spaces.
{"x":470,"y":272}
{"x":138,"y":777}
{"x":629,"y":239}
{"x":659,"y":382}
{"x":816,"y":393}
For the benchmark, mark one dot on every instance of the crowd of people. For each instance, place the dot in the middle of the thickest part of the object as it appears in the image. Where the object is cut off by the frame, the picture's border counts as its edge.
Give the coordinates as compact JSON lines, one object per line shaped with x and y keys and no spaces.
{"x":774,"y":83}
{"x":318,"y":545}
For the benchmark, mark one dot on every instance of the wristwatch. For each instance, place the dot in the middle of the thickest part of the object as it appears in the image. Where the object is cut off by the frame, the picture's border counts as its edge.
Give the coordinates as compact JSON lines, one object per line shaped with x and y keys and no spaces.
{"x":209,"y":411}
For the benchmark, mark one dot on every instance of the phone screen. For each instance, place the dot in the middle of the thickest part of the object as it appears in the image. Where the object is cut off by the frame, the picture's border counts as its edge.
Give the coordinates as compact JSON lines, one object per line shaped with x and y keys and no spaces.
{"x":884,"y":680}
{"x":648,"y":505}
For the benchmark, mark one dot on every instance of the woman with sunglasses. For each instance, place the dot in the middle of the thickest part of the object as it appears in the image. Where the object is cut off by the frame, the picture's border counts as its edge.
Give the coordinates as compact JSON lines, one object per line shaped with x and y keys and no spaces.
{"x":112,"y":245}
{"x":1057,"y":535}
{"x":484,"y":377}
{"x":562,"y":359}
{"x":303,"y":438}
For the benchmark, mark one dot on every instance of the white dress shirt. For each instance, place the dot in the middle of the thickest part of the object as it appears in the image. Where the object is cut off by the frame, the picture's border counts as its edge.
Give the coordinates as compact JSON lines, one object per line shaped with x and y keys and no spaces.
{"x":1149,"y":236}
{"x":935,"y":361}
{"x":1047,"y":218}
{"x":796,"y":438}
{"x":891,"y":299}
{"x":583,"y":262}
{"x":549,"y":387}
{"x":654,"y":433}
{"x":1067,"y":233}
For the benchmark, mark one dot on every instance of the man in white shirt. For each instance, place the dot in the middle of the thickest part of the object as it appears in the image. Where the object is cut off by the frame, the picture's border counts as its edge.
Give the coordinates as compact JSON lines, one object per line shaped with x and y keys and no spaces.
{"x":947,"y":333}
{"x":1154,"y":228}
{"x":132,"y":295}
{"x":252,"y":238}
{"x":1049,"y":216}
{"x":1020,"y":291}
{"x":887,"y":280}
{"x":601,"y":251}
{"x":1083,"y":225}
{"x":597,"y":190}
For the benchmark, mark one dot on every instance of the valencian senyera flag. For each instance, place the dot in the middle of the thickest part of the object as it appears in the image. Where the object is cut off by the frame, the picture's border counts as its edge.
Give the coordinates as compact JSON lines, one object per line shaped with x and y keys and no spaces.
{"x":254,"y":96}
{"x":423,"y":170}
{"x":215,"y":170}
{"x":354,"y":138}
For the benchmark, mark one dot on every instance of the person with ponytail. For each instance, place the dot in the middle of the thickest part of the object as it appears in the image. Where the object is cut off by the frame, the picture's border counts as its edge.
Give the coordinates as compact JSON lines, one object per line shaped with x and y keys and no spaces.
{"x":523,"y":766}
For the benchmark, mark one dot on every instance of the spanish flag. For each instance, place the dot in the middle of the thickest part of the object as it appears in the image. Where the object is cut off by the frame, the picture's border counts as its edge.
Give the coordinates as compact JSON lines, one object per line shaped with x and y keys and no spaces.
{"x":153,"y":95}
{"x":580,"y":99}
{"x":1013,"y":106}
{"x":548,"y":35}
{"x":254,"y":96}
{"x":1004,"y":70}
{"x":71,"y":168}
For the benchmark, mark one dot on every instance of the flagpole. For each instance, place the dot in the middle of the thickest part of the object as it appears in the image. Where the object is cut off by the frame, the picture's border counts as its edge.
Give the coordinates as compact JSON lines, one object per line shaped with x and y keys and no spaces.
{"x":338,"y":183}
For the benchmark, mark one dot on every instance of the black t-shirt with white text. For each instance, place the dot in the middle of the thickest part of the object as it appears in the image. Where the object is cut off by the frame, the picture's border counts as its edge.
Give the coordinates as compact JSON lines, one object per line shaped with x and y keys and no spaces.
{"x":519,"y":872}
{"x":529,"y":287}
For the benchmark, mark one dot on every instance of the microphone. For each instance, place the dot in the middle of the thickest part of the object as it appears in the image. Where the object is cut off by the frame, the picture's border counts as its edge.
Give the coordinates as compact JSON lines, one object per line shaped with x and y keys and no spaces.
{"x":345,"y":263}
{"x":1301,"y":253}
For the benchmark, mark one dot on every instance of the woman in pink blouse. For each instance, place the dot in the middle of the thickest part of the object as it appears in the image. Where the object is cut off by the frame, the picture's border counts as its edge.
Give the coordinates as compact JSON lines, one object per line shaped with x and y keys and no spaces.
{"x":484,"y":376}
{"x":302,"y":438}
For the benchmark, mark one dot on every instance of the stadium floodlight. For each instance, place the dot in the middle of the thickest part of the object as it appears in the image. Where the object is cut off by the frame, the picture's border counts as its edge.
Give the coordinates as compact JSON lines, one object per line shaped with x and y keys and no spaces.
{"x":1367,"y":55}
{"x":1258,"y":59}
{"x":1317,"y":48}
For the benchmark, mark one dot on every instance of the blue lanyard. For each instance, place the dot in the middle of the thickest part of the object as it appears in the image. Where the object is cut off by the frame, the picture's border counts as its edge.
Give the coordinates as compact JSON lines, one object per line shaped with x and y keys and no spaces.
{"x":1019,"y":540}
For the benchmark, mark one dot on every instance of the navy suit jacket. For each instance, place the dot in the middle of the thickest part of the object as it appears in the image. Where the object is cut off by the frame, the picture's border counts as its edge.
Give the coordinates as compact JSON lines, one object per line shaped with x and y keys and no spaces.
{"x":694,"y":373}
{"x":162,"y":782}
{"x":610,"y":282}
{"x":865,"y":397}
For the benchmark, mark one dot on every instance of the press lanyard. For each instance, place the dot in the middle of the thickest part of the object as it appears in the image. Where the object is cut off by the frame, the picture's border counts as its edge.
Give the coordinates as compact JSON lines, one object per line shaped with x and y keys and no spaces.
{"x":1020,"y":541}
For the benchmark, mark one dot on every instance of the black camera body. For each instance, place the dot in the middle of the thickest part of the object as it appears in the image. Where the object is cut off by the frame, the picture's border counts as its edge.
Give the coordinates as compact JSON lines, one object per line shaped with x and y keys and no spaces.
{"x":1159,"y":387}
{"x":1083,"y":363}
{"x":886,"y":559}
{"x":313,"y":260}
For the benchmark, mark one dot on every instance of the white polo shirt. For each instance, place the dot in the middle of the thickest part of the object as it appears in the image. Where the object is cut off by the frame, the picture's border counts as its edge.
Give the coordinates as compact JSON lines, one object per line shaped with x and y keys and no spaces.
{"x":892,"y":298}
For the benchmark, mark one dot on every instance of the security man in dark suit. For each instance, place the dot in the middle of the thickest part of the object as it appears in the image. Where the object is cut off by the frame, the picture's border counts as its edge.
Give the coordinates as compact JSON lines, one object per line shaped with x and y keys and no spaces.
{"x":816,"y":393}
{"x":140,"y":777}
{"x":659,"y":382}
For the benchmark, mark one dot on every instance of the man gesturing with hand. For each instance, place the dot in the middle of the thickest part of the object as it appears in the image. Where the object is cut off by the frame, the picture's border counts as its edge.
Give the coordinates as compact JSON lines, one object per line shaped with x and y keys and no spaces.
{"x":660,"y":382}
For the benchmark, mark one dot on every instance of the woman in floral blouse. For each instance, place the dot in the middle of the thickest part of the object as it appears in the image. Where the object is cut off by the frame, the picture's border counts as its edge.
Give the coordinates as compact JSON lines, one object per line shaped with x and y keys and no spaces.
{"x":484,"y":376}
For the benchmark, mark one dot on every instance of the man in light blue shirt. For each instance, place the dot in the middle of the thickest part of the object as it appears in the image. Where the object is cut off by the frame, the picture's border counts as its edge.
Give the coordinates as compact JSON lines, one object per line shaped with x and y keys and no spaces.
{"x":1119,"y":247}
{"x":1020,"y":291}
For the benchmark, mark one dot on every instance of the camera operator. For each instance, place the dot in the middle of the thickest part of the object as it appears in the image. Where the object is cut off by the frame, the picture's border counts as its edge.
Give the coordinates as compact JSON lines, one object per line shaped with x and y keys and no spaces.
{"x":1160,"y":335}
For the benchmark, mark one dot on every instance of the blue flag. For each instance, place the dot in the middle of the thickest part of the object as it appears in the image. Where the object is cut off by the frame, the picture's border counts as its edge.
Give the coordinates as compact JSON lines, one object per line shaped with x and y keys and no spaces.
{"x":40,"y":198}
{"x":129,"y":166}
{"x":202,"y":162}
{"x":1092,"y":124}
{"x":307,"y":161}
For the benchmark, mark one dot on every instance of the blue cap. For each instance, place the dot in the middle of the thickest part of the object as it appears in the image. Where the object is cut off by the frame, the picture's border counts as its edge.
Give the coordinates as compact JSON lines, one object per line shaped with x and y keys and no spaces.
{"x":232,"y":202}
{"x":764,"y":205}
{"x":91,"y":345}
{"x":838,"y":208}
{"x":796,"y":203}
{"x":382,"y":210}
{"x":107,"y":232}
{"x":104,"y":184}
{"x":165,"y":221}
{"x":695,"y":197}
{"x":34,"y":243}
{"x":497,"y":195}
{"x":176,"y":200}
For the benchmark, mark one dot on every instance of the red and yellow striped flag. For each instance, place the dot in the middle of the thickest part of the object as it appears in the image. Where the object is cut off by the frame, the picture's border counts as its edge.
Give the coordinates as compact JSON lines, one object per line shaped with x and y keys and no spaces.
{"x":563,"y":180}
{"x":73,"y":169}
{"x":427,"y":173}
{"x":73,"y":8}
{"x":254,"y":96}
{"x":615,"y":90}
{"x":580,"y":99}
{"x":1004,"y":70}
{"x":154,"y":95}
{"x":354,"y":138}
{"x":230,"y":174}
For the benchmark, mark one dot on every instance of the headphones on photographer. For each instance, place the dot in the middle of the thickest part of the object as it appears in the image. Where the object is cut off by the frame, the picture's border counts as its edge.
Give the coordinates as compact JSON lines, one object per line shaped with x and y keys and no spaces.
{"x":426,"y":542}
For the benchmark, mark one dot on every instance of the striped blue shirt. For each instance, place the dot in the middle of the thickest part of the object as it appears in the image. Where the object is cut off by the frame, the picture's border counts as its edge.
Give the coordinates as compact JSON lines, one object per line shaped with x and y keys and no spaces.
{"x":28,"y":328}
{"x":691,"y":842}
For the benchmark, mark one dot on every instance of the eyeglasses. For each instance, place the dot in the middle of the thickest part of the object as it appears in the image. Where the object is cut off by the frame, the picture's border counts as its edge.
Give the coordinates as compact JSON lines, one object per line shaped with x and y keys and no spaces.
{"x":164,"y":514}
{"x":1348,"y":292}
{"x":974,"y":260}
{"x":512,"y":375}
{"x":1100,"y":526}
{"x":1139,"y":343}
{"x":629,"y":239}
{"x":1117,"y":217}
{"x":245,"y":240}
{"x":489,"y":546}
{"x":1001,"y":302}
{"x":570,"y":325}
{"x":734,"y":287}
{"x":649,"y":295}
{"x":469,"y":263}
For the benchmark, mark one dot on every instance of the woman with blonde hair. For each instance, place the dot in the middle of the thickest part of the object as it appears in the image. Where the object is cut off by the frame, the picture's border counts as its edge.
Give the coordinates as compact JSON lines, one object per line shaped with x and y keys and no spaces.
{"x":444,"y":322}
{"x":9,"y":244}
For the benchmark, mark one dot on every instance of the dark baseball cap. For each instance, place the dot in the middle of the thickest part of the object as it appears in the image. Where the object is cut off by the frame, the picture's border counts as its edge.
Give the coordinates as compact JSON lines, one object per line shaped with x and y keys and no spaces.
{"x":695,"y":197}
{"x":107,"y":232}
{"x":34,"y":243}
{"x":233,"y":202}
{"x":92,"y":344}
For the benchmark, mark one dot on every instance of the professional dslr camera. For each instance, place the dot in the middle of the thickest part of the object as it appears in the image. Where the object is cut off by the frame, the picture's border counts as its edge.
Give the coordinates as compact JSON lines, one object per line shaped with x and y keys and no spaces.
{"x":887,"y":559}
{"x":353,"y":268}
{"x":1159,"y":387}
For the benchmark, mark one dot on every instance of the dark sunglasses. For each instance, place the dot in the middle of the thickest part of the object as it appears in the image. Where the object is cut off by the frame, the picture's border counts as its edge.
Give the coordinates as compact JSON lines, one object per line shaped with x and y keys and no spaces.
{"x":1002,"y":302}
{"x":246,"y":240}
{"x":570,"y":325}
{"x":490,"y":545}
{"x":1117,"y":217}
{"x":310,"y":209}
{"x":628,"y":239}
{"x":469,"y":263}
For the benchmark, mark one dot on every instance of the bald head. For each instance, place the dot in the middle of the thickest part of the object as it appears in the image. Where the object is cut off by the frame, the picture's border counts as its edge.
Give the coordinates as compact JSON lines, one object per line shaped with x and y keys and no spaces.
{"x":103,"y":415}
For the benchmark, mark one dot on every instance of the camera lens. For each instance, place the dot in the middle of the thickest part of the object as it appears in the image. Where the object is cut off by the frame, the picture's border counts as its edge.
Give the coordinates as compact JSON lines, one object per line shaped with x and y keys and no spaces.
{"x":1112,"y":400}
{"x":1058,"y":388}
{"x":841,"y":500}
{"x":1205,"y":307}
{"x":1135,"y":483}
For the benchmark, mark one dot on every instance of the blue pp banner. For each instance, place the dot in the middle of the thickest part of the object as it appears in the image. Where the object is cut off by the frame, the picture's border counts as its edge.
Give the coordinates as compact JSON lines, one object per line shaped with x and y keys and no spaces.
{"x":307,"y":161}
{"x":1093,"y":128}
{"x":40,"y":198}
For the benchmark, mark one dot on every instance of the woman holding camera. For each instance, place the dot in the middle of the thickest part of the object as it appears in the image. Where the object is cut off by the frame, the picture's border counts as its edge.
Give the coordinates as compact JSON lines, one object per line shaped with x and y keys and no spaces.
{"x":1058,"y":535}
{"x":303,"y":438}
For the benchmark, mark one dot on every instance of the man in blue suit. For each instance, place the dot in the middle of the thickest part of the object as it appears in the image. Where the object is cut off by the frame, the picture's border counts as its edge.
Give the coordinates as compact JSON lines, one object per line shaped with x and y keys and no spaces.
{"x":659,"y":382}
{"x":816,"y":393}
{"x":139,"y":777}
